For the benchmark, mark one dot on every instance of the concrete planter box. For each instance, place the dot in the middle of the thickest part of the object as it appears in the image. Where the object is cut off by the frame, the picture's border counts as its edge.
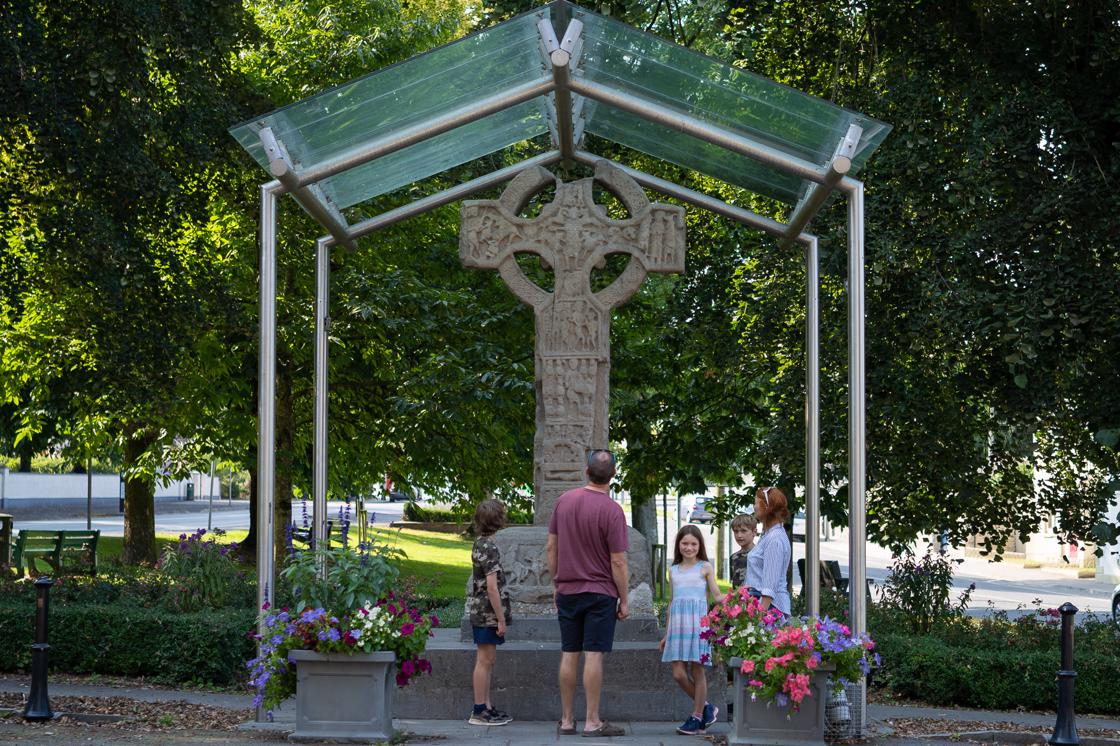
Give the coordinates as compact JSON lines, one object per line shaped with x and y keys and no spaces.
{"x":762,"y":723}
{"x":344,"y":697}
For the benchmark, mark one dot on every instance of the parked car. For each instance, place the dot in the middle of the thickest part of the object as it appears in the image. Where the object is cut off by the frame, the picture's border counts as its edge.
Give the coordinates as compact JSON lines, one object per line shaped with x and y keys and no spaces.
{"x":700,"y":512}
{"x":399,"y":496}
{"x":1116,"y":604}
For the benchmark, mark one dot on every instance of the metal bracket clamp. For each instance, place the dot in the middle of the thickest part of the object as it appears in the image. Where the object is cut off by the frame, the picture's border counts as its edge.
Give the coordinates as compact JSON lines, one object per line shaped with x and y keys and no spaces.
{"x":817,"y":193}
{"x":310,"y":198}
{"x":560,"y":58}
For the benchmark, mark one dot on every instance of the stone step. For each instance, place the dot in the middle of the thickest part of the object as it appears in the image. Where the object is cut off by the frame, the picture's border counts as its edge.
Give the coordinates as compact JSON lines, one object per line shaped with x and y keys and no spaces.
{"x":637,"y":686}
{"x":547,"y":629}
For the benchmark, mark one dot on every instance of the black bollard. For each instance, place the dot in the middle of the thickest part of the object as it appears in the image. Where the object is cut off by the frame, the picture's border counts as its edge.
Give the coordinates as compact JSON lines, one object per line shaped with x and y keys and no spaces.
{"x":38,"y":704}
{"x":1065,"y":730}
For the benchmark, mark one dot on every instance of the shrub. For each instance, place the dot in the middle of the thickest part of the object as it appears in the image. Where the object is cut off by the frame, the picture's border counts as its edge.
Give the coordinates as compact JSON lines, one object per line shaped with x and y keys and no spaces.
{"x":348,"y":578}
{"x":125,"y":640}
{"x":203,"y":574}
{"x":931,"y":670}
{"x":917,"y":592}
{"x":415,"y":512}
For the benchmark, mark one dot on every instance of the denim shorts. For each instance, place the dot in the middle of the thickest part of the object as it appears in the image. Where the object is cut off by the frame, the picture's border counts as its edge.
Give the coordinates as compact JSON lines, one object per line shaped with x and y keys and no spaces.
{"x":586,"y":621}
{"x":487,"y":636}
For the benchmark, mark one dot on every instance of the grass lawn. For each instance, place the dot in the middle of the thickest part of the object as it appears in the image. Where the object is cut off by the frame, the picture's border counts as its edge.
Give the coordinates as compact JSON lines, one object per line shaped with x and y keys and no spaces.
{"x":431,"y":556}
{"x":439,"y":562}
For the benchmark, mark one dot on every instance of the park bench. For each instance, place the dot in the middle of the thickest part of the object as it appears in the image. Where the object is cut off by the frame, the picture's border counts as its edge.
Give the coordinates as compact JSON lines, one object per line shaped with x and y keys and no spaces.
{"x":59,"y":549}
{"x":301,"y":536}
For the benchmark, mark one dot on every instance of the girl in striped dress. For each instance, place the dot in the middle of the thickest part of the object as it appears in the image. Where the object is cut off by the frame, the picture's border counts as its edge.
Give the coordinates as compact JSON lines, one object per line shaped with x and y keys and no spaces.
{"x":692,"y":581}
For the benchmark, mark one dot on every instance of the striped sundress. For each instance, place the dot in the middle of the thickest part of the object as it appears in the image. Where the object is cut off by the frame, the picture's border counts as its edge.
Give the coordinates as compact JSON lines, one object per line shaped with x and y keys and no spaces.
{"x":690,"y":602}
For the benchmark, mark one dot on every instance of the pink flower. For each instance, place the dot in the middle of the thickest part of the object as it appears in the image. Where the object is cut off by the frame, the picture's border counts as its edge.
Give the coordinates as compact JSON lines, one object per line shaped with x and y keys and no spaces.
{"x":735,"y":611}
{"x":747,"y":667}
{"x":407,"y":628}
{"x":705,"y":621}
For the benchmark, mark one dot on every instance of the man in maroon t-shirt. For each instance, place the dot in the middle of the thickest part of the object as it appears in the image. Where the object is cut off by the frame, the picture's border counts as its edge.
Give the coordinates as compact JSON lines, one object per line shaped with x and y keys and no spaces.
{"x":587,"y":543}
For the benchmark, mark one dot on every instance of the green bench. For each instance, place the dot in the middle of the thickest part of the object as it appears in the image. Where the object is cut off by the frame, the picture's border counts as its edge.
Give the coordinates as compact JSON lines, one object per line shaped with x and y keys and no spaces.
{"x":59,"y":549}
{"x":302,"y":536}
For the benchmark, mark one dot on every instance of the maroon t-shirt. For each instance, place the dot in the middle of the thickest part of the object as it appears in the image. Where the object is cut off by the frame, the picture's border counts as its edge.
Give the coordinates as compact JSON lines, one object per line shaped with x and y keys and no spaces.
{"x":589,"y":526}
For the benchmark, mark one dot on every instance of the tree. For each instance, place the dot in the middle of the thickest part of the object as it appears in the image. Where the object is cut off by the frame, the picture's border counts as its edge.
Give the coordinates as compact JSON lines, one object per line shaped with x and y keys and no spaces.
{"x":112,"y":125}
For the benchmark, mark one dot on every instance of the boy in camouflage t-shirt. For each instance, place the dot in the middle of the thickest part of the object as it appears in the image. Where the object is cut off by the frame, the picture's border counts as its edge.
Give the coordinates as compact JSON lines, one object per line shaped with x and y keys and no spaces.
{"x":488,"y":607}
{"x":745,"y":529}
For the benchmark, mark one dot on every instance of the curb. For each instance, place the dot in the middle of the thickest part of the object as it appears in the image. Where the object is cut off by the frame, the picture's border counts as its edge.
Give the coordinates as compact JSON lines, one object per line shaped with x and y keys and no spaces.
{"x":1012,"y":737}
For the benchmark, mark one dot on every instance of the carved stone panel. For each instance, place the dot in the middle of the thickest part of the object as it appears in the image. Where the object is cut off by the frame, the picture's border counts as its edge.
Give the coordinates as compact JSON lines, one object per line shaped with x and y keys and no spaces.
{"x":572,"y":235}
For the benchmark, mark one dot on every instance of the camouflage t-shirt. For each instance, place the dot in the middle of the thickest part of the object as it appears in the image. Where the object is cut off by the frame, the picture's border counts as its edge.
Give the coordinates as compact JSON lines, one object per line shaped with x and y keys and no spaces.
{"x":738,"y":568}
{"x":485,"y":560}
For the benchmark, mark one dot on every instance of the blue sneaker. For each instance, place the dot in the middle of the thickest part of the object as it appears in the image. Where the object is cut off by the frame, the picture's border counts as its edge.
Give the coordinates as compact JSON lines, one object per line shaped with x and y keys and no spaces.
{"x":711,"y":712}
{"x":692,"y":727}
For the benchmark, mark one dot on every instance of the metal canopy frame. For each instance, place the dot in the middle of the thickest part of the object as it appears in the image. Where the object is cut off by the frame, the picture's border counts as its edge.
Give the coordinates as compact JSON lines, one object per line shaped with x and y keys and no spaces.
{"x":566,"y":127}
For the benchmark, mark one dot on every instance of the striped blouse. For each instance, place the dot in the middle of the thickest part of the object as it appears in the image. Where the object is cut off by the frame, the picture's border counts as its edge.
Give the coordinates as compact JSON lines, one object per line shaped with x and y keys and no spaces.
{"x":768,"y":564}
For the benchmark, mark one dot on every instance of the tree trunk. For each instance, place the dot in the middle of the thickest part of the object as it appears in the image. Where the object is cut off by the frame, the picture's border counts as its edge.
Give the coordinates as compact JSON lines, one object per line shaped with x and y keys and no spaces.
{"x":248,"y":545}
{"x":25,"y":454}
{"x":285,"y":439}
{"x":644,"y":517}
{"x":139,"y":504}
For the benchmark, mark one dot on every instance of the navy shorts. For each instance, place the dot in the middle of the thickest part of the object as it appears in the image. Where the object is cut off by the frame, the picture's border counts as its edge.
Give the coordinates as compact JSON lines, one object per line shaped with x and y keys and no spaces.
{"x":586,"y":621}
{"x":487,"y":636}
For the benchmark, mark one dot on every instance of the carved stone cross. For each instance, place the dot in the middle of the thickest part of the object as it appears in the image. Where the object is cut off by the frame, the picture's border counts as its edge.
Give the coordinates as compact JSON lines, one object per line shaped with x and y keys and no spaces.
{"x":571,"y":235}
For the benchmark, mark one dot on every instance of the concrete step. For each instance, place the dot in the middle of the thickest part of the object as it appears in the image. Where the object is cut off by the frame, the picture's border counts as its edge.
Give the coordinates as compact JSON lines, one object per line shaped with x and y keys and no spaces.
{"x":637,"y":686}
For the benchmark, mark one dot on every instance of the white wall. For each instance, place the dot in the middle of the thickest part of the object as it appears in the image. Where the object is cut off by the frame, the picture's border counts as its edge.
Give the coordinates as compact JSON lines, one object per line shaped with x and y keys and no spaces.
{"x":26,"y":486}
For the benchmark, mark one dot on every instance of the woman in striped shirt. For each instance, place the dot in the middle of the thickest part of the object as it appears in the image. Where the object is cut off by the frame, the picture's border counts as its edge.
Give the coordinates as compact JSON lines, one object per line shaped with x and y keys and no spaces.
{"x":768,"y":562}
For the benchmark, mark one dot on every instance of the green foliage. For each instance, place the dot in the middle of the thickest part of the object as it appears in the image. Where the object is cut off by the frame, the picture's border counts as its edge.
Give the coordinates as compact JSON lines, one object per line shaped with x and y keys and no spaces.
{"x":461,"y":514}
{"x":204,"y":574}
{"x":930,"y":670}
{"x":917,"y":592}
{"x":341,"y":579}
{"x":126,"y":640}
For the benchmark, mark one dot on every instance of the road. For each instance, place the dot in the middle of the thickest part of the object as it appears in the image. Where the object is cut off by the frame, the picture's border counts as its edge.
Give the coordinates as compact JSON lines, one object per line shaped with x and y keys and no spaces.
{"x":187,"y":521}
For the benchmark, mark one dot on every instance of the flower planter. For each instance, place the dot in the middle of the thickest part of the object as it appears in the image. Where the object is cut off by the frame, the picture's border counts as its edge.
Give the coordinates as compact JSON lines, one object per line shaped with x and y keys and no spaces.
{"x":763,"y":723}
{"x":344,"y":697}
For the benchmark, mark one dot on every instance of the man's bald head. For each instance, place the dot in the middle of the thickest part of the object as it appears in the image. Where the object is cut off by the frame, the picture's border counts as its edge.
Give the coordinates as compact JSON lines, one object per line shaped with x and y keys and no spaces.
{"x":600,"y":467}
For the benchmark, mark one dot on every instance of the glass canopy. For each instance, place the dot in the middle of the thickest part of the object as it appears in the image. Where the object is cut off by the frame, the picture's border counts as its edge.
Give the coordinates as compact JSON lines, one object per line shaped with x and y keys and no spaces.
{"x":419,"y":91}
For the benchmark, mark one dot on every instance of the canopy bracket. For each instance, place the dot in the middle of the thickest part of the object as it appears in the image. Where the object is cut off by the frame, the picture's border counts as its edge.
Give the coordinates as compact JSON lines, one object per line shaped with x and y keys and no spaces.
{"x":817,"y":193}
{"x":310,"y":198}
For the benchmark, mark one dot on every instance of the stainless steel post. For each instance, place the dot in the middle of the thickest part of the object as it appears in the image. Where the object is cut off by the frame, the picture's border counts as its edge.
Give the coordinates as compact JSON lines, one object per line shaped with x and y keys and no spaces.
{"x":266,"y":407}
{"x":89,"y":493}
{"x":857,"y":503}
{"x":322,"y":327}
{"x":812,"y":428}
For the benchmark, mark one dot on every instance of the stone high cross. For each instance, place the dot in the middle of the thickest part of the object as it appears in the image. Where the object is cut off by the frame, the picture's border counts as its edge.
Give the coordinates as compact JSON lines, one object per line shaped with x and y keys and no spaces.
{"x":571,"y":235}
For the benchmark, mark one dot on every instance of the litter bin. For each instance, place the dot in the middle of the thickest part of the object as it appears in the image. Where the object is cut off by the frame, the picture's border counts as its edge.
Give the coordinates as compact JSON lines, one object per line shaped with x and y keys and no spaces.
{"x":190,"y":490}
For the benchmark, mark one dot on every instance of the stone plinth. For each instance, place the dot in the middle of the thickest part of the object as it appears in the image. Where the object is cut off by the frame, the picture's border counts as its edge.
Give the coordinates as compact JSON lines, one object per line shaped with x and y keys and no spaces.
{"x":525,"y":565}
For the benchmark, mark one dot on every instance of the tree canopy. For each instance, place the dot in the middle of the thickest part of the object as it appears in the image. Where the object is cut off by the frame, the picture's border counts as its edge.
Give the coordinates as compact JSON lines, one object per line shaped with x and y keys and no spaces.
{"x":128,"y":269}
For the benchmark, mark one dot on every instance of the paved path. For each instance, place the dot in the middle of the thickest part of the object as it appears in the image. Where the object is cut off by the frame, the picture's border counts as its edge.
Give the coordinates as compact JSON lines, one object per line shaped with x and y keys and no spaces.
{"x":525,"y":733}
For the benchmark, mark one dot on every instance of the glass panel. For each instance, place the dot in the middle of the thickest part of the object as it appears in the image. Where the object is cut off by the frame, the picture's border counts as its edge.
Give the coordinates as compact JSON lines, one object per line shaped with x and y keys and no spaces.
{"x":420,"y":88}
{"x":438,"y":154}
{"x":641,"y":64}
{"x":688,"y":152}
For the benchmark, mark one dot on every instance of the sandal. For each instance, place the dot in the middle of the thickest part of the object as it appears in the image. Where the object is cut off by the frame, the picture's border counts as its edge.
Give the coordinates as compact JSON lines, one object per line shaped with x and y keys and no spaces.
{"x":606,"y":730}
{"x":565,"y":731}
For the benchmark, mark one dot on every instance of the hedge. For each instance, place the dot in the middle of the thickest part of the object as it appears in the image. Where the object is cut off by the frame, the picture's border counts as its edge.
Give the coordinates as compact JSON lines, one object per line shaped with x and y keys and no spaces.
{"x":929,"y":669}
{"x":202,"y":648}
{"x":415,"y":512}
